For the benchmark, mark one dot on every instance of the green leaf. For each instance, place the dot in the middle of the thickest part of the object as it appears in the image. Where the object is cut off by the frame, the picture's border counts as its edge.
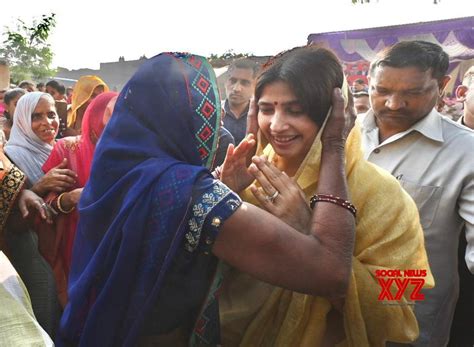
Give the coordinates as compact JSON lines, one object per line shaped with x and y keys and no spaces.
{"x":26,"y":49}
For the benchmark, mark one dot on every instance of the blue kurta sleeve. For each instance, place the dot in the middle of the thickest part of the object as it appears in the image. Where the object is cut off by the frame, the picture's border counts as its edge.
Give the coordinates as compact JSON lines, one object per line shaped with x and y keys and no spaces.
{"x":213,"y":202}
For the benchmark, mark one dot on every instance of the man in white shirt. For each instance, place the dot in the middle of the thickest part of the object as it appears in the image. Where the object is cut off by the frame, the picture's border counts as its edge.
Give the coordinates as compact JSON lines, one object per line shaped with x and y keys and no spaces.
{"x":465,"y":94}
{"x":432,"y":157}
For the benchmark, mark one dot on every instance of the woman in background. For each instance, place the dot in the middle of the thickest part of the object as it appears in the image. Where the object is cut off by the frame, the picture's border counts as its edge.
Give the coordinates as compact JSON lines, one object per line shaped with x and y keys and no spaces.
{"x":85,"y":90}
{"x":56,"y":241}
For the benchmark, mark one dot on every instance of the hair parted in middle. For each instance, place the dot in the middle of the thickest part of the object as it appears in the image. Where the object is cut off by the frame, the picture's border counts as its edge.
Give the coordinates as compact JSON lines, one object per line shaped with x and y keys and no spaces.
{"x":311,"y":71}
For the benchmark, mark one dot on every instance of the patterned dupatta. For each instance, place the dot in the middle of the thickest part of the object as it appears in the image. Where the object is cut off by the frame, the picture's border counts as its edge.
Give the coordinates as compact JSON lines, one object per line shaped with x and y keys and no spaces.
{"x":134,"y":210}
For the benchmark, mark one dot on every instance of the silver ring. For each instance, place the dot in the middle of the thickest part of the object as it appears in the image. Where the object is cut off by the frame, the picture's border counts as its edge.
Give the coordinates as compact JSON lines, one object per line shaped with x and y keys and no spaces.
{"x":272,"y":197}
{"x":44,"y":205}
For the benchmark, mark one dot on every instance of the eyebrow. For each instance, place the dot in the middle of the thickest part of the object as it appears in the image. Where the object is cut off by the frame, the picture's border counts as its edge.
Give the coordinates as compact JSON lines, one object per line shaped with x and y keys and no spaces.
{"x":287,"y":103}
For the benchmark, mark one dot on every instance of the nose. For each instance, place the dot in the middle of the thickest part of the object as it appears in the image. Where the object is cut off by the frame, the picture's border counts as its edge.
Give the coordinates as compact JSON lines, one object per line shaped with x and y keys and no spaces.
{"x":237,"y":87}
{"x":395,"y":102}
{"x":278,"y":123}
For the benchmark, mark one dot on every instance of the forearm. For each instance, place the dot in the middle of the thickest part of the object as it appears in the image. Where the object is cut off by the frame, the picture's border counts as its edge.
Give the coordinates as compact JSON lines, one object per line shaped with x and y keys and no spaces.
{"x":38,"y":189}
{"x":333,"y":225}
{"x":262,"y":245}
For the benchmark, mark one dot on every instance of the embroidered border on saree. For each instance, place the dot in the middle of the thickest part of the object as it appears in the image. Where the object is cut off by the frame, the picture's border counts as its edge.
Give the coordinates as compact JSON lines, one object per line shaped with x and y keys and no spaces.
{"x":11,"y":185}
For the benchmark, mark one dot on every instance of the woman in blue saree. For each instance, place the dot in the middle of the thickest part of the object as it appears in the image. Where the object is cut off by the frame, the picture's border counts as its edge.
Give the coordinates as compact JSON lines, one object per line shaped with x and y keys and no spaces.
{"x":154,"y":221}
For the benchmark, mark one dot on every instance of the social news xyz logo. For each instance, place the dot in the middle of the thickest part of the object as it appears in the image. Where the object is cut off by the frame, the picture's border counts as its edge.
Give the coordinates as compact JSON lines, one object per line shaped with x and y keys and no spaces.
{"x":410,"y":281}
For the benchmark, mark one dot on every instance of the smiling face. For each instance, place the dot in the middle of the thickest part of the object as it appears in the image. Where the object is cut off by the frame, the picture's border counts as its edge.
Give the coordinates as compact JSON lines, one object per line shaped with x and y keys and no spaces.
{"x":45,"y":121}
{"x":285,"y":124}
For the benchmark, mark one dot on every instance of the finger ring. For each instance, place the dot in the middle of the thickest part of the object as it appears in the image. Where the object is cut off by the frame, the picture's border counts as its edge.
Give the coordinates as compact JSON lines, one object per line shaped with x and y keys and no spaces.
{"x":272,"y":197}
{"x":44,"y":204}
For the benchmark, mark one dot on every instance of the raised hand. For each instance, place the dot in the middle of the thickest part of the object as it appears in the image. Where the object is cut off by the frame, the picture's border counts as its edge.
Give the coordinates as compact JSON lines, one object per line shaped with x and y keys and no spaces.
{"x":28,"y":202}
{"x":341,"y":120}
{"x":234,"y":169}
{"x":280,"y":195}
{"x":252,"y":118}
{"x":58,"y":179}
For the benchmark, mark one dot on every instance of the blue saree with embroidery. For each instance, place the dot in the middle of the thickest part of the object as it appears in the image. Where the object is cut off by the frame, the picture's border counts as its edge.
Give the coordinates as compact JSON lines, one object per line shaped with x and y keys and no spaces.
{"x":141,"y":259}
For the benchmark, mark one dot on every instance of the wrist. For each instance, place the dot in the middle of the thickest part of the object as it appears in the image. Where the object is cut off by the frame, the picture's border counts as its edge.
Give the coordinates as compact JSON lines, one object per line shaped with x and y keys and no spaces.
{"x":333,"y":145}
{"x":37,"y":189}
{"x":65,"y":204}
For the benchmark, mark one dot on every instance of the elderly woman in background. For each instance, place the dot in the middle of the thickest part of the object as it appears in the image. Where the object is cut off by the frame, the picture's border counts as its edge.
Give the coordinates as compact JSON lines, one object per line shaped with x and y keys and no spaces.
{"x":35,"y":125}
{"x":56,"y":240}
{"x":85,"y":90}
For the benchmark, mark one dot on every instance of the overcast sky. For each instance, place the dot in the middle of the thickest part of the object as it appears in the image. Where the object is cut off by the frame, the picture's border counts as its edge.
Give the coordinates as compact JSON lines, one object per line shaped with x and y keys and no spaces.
{"x":92,"y":31}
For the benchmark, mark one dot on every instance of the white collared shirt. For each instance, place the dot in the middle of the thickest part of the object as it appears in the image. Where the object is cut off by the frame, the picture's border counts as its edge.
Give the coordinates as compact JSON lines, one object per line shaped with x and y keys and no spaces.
{"x":434,"y":162}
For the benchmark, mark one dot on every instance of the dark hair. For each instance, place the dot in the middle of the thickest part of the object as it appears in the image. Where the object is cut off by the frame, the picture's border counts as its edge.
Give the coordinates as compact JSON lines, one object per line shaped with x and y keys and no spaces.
{"x":420,"y":54}
{"x":25,"y":83}
{"x":40,"y":85}
{"x":312,"y":73}
{"x":244,"y":64}
{"x":359,"y":81}
{"x":58,"y":86}
{"x":12,"y":94}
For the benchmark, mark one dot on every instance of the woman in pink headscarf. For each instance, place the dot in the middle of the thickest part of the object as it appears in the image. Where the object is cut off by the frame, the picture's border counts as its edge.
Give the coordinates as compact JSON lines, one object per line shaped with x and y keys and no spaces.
{"x":74,"y":153}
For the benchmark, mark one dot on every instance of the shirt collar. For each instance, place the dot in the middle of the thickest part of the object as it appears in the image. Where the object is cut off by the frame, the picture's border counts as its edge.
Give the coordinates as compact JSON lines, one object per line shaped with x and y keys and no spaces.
{"x":430,"y":126}
{"x":229,"y":112}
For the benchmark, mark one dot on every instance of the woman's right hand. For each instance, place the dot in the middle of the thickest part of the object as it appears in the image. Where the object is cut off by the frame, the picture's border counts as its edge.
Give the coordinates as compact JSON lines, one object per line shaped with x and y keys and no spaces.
{"x":234,"y":171}
{"x":280,"y":195}
{"x":58,"y":179}
{"x":28,"y":202}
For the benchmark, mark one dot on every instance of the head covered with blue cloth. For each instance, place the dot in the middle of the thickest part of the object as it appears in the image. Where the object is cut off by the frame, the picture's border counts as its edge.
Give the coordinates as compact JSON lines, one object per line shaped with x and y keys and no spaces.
{"x":134,"y":210}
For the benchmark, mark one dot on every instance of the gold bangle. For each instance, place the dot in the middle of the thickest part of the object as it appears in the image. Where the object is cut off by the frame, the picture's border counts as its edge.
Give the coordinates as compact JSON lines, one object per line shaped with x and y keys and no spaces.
{"x":58,"y":205}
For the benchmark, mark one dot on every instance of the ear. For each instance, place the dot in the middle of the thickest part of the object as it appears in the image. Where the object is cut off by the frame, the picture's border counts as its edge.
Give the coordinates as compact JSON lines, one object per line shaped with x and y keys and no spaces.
{"x":442,"y":83}
{"x":461,"y":92}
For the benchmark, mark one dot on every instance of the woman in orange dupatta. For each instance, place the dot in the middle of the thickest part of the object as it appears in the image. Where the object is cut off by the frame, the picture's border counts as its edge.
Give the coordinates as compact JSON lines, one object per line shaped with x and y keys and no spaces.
{"x":74,"y":153}
{"x":85,"y":90}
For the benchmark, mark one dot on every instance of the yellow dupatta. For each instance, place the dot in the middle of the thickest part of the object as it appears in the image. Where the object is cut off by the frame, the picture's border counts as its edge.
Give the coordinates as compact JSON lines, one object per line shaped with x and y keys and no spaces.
{"x":388,"y":236}
{"x":82,"y":93}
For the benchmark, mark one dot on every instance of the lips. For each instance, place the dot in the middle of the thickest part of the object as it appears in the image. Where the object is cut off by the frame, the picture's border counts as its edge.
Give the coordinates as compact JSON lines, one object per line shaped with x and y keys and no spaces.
{"x":284,"y":141}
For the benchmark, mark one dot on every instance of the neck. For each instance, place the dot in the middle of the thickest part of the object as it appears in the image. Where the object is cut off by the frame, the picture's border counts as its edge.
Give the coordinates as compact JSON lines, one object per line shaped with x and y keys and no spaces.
{"x":387,"y":131}
{"x":468,"y":119}
{"x":237,"y":110}
{"x":288,"y":165}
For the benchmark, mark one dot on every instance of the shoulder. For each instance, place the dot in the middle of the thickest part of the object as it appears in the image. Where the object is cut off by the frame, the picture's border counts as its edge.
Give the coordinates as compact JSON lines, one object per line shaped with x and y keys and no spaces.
{"x":456,"y":134}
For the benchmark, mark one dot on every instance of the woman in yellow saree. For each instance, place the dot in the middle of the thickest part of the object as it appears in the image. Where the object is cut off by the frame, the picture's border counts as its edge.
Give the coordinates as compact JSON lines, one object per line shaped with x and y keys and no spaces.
{"x":293,"y":98}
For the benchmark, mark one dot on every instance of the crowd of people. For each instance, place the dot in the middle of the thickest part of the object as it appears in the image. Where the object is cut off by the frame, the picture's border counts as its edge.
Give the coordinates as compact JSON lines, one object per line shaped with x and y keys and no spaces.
{"x":165,"y":216}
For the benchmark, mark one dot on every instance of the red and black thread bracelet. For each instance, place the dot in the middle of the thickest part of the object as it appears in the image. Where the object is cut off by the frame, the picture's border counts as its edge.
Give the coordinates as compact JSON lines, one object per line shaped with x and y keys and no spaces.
{"x":334,"y":200}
